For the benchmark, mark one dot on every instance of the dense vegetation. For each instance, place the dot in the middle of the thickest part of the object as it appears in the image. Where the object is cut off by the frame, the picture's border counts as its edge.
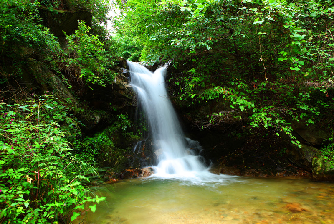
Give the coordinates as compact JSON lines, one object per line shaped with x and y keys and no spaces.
{"x":266,"y":63}
{"x":55,"y":135}
{"x":65,"y":109}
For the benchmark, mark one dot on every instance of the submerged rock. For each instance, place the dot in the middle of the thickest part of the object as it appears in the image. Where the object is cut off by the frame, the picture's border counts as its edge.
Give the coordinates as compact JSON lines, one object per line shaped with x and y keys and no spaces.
{"x":294,"y":207}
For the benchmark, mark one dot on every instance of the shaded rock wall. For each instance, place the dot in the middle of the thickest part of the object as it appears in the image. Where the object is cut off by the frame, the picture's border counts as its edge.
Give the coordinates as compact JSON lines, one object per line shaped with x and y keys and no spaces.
{"x":60,"y":21}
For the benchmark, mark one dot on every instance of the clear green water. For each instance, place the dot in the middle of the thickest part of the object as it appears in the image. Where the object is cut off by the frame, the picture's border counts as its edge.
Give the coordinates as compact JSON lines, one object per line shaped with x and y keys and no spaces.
{"x":237,"y":200}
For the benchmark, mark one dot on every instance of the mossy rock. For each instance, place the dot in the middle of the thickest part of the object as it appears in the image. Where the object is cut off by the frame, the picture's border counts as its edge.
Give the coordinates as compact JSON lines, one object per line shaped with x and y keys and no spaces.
{"x":323,"y":168}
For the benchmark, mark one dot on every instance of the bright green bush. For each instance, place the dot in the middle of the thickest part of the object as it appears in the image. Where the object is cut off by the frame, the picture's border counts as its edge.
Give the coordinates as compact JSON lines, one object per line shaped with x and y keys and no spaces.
{"x":40,"y":179}
{"x":88,"y":53}
{"x":126,"y":47}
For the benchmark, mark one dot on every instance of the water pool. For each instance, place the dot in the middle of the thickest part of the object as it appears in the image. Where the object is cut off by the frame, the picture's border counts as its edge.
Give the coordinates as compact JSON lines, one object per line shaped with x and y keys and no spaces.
{"x":235,"y":200}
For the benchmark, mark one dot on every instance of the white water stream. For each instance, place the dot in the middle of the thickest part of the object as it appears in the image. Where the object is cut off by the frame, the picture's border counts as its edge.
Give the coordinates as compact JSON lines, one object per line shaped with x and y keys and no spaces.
{"x":175,"y":160}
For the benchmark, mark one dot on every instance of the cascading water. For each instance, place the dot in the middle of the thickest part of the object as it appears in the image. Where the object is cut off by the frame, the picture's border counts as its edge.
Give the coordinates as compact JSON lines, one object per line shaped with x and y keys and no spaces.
{"x":174,"y":158}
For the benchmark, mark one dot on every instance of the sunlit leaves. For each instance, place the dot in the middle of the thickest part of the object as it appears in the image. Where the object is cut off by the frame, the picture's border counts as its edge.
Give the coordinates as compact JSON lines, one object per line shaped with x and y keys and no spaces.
{"x":258,"y":21}
{"x":74,"y":216}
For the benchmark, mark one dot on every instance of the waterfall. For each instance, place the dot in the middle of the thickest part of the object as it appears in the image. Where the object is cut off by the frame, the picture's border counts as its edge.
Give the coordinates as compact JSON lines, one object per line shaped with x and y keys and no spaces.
{"x":169,"y":142}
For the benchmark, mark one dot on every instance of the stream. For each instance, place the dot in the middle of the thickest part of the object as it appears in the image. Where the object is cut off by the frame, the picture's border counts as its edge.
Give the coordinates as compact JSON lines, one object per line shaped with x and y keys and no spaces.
{"x":234,"y":200}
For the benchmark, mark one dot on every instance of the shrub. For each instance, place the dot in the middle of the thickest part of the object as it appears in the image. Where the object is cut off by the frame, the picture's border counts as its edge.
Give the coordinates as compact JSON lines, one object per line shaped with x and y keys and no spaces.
{"x":89,"y":55}
{"x":40,"y":179}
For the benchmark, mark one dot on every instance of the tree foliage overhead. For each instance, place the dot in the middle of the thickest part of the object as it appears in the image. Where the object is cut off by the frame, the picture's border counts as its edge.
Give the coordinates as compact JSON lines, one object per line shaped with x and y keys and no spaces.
{"x":278,"y":31}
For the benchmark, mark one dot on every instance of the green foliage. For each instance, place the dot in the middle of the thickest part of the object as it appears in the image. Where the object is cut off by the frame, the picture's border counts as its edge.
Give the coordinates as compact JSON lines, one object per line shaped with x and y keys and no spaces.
{"x":270,"y":32}
{"x":90,"y":56}
{"x":98,"y":8}
{"x":40,"y":179}
{"x":268,"y":62}
{"x":126,"y":48}
{"x":328,"y":154}
{"x":22,"y":36}
{"x":41,"y":173}
{"x":111,"y":143}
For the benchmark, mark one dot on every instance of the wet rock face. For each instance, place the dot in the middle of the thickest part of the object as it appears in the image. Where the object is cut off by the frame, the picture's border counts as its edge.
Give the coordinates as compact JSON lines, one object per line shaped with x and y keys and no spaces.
{"x":60,"y":21}
{"x":310,"y":134}
{"x":143,"y":154}
{"x":112,"y":177}
{"x":234,"y":148}
{"x":147,"y":171}
{"x":312,"y":138}
{"x":302,"y":156}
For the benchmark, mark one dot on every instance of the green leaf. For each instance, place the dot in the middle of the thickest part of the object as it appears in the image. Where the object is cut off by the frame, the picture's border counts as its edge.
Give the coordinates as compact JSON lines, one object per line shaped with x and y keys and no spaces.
{"x":10,"y":151}
{"x":257,"y":21}
{"x":93,"y":208}
{"x":24,"y":108}
{"x":74,"y":216}
{"x":80,"y":206}
{"x":313,"y":14}
{"x":98,"y":200}
{"x":295,"y":68}
{"x":49,"y":107}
